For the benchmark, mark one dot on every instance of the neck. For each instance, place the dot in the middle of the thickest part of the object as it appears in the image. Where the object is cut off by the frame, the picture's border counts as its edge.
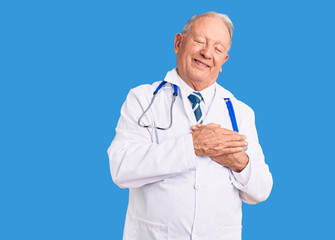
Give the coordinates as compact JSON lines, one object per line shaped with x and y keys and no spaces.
{"x":198,"y":86}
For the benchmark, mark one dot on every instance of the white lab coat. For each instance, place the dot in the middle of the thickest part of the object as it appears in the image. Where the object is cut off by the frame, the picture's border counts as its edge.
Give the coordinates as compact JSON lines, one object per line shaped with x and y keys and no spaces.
{"x":174,"y":194}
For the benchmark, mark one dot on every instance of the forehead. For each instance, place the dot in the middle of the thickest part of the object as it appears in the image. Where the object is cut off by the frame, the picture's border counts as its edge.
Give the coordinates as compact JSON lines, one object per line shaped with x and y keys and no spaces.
{"x":211,"y":27}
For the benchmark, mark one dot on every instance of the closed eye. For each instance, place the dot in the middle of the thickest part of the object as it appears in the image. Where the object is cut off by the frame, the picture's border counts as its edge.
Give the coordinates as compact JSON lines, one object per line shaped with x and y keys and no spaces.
{"x":198,"y":41}
{"x":219,"y":50}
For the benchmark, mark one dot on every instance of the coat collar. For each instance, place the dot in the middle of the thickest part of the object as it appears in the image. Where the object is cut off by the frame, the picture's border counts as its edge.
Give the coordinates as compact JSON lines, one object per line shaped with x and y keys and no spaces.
{"x":172,"y":77}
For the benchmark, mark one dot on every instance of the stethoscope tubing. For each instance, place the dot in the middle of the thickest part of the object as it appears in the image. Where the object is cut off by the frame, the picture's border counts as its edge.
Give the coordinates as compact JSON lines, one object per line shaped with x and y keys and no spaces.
{"x":174,"y":96}
{"x":231,"y":114}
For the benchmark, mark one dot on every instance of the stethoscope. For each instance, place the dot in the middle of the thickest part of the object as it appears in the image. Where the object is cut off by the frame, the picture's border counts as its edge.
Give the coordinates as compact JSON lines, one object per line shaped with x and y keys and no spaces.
{"x":174,"y":95}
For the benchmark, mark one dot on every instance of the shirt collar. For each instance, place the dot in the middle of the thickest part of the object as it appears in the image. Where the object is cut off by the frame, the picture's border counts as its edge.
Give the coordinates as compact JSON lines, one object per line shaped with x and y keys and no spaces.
{"x":206,"y":93}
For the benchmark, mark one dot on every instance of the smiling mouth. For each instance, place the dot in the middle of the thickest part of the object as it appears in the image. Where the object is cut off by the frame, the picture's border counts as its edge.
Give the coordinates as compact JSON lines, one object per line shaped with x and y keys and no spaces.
{"x":199,"y":63}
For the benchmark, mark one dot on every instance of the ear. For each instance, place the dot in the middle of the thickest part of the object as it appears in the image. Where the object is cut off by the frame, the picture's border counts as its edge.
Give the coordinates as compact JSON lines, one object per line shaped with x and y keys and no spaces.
{"x":225,"y":60}
{"x":177,"y":42}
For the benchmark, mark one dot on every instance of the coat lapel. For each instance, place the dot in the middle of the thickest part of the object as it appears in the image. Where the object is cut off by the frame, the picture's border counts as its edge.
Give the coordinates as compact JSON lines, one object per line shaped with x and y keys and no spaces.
{"x":218,"y":112}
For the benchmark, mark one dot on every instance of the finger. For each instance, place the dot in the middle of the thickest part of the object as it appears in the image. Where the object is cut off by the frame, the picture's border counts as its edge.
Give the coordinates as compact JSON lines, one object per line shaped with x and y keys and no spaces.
{"x":228,"y":131}
{"x":236,"y":144}
{"x":221,"y":148}
{"x":194,"y":127}
{"x":213,"y":125}
{"x":234,"y":137}
{"x":229,"y":151}
{"x":199,"y":125}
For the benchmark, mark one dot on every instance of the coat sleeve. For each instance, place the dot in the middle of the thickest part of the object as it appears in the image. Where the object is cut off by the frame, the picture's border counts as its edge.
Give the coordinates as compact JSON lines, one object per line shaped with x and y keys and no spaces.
{"x":135,"y":160}
{"x":256,"y":183}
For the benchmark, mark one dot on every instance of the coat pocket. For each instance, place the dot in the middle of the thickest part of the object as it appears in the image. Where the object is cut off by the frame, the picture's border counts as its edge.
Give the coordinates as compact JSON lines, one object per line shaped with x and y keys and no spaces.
{"x":140,"y":229}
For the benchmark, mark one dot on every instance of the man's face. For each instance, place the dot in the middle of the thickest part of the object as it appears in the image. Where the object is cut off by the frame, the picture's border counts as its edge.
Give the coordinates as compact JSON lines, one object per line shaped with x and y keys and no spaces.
{"x":202,"y":52}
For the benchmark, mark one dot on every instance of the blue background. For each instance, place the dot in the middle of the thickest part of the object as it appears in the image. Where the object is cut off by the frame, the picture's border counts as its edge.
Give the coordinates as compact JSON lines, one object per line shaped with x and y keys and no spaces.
{"x":67,"y":66}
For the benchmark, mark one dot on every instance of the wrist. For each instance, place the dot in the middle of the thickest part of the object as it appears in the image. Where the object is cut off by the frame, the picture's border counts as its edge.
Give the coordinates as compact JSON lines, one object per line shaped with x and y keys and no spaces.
{"x":243,"y":163}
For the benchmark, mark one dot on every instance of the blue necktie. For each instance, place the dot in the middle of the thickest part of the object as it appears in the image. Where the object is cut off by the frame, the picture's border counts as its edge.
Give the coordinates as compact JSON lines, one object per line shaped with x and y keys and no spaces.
{"x":195,"y":99}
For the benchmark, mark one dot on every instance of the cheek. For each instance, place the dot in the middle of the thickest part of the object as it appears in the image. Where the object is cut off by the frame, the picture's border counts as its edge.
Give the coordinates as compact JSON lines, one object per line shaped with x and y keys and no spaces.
{"x":220,"y":61}
{"x":193,"y":49}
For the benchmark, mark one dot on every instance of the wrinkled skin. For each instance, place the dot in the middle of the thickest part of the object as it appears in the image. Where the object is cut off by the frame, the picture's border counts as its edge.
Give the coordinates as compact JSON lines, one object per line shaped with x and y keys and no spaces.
{"x":222,"y":145}
{"x":202,"y":52}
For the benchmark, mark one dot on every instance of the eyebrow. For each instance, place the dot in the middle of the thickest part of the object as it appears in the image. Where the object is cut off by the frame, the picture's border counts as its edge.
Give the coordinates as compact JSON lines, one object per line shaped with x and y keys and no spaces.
{"x":199,"y":36}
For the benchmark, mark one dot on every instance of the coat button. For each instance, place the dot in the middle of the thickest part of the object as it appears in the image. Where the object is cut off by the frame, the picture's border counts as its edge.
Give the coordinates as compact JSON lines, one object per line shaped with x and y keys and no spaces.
{"x":196,"y":186}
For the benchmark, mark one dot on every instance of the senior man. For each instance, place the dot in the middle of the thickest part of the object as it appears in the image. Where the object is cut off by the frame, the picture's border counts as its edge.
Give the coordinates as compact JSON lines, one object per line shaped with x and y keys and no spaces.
{"x":186,"y":169}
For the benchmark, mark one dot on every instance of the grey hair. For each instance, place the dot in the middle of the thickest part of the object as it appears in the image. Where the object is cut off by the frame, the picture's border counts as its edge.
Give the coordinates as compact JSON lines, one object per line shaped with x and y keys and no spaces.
{"x":223,"y":17}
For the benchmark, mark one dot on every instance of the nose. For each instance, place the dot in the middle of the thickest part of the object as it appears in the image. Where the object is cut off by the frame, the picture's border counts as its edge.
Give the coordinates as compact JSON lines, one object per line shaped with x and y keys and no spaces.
{"x":206,"y":52}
